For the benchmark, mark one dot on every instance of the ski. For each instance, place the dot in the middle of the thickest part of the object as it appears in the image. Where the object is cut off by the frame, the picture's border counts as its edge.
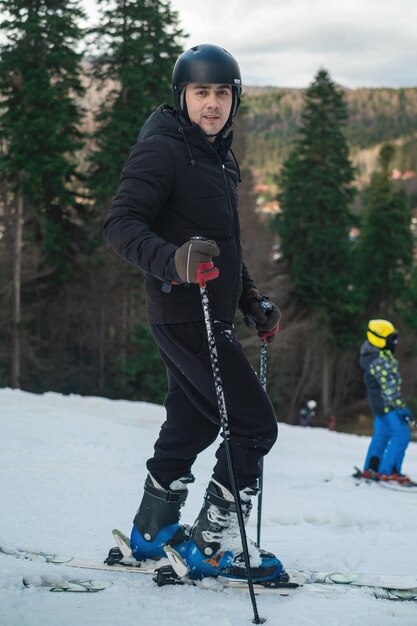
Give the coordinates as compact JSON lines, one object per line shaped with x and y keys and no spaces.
{"x":356,"y":579}
{"x":118,"y":564}
{"x":408,"y":486}
{"x":389,"y":587}
{"x":63,"y":585}
{"x":399,"y":588}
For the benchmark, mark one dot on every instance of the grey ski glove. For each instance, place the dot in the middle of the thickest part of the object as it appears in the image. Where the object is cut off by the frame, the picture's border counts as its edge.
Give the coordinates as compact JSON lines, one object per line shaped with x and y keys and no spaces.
{"x":190,"y":255}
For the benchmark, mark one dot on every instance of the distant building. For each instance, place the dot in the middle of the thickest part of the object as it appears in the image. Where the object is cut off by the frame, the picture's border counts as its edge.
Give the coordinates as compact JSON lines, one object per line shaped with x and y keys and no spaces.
{"x":262,"y":188}
{"x":399,"y":175}
{"x":268,"y":208}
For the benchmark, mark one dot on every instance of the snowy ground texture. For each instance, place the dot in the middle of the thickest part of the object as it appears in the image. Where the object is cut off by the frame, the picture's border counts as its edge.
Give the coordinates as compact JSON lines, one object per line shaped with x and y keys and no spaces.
{"x":72,"y":468}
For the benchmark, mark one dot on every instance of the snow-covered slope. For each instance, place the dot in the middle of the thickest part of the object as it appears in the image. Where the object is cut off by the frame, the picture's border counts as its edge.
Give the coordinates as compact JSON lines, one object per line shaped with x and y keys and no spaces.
{"x":72,"y":468}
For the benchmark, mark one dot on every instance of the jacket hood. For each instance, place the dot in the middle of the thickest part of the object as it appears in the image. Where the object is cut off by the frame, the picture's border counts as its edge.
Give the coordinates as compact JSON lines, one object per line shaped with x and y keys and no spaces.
{"x":368,"y":353}
{"x":165,"y":120}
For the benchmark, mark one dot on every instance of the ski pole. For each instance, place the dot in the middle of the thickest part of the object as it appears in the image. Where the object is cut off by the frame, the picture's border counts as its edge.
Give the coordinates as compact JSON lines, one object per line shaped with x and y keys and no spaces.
{"x":266,"y":307}
{"x":224,"y":420}
{"x":262,"y":379}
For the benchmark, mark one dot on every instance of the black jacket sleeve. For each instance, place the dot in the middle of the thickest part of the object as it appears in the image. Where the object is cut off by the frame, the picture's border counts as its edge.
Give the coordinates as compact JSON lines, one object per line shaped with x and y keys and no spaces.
{"x":145,"y":184}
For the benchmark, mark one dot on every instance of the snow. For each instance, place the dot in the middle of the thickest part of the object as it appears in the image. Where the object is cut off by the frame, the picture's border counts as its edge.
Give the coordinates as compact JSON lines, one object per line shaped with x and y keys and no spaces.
{"x":72,"y":468}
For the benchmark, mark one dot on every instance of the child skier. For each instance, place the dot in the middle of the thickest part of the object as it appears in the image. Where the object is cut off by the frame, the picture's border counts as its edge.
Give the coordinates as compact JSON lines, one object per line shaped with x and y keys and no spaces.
{"x":392,"y":418}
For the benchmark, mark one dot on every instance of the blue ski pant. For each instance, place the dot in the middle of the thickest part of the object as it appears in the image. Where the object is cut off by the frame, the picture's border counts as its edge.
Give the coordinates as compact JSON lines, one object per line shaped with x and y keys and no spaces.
{"x":389,"y":442}
{"x":192,"y":416}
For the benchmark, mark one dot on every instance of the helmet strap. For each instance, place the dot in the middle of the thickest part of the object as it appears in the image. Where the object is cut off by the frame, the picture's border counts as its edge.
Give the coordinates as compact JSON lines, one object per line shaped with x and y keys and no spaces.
{"x":183,"y":111}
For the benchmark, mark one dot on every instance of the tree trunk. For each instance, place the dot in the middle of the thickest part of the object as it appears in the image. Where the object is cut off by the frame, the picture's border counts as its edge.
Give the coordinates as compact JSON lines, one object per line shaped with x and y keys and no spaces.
{"x":17,"y":271}
{"x":102,"y":350}
{"x":326,"y":384}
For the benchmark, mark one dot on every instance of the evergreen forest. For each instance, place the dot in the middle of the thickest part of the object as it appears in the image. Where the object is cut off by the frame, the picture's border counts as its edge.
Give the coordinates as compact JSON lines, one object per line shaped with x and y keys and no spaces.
{"x":328,"y":206}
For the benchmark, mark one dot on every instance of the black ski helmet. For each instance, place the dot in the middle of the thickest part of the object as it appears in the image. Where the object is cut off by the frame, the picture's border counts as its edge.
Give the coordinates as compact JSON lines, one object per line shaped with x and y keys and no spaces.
{"x":206,"y":64}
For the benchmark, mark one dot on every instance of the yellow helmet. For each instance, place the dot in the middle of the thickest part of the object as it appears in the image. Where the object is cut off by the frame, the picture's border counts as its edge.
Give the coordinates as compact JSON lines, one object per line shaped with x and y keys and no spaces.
{"x":379,"y":331}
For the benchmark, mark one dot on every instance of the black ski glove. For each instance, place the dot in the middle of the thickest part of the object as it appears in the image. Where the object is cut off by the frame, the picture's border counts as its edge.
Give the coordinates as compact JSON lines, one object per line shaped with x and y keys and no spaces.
{"x":188,"y":257}
{"x":262,"y":313}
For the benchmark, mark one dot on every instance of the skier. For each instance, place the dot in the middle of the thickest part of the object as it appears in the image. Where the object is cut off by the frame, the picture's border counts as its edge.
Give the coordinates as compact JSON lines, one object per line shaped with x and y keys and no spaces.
{"x":180,"y":181}
{"x":307,"y":413}
{"x":392,"y":418}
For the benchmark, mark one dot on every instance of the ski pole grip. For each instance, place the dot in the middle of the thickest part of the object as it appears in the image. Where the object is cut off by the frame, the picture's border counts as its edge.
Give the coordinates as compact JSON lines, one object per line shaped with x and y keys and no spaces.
{"x":265,"y":306}
{"x":205,"y":272}
{"x":264,"y":336}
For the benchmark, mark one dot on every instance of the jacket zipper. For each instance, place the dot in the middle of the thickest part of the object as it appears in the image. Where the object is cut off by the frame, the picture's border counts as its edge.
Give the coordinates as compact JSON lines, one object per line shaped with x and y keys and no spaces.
{"x":236,"y":240}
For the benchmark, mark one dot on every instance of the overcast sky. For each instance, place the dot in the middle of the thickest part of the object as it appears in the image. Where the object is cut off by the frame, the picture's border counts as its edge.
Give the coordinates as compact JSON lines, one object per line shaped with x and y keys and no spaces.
{"x":362,"y":43}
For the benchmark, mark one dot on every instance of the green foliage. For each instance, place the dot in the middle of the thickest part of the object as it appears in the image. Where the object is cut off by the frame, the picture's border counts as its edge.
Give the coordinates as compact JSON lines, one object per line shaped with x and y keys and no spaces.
{"x":407,"y":155}
{"x":384,"y":254}
{"x":378,"y":115}
{"x":408,"y":305}
{"x":141,"y":375}
{"x":316,"y":183}
{"x":39,"y":119}
{"x":272,"y":121}
{"x":77,"y":338}
{"x":374,"y":116}
{"x":3,"y":377}
{"x":138,"y":43}
{"x":139,"y":47}
{"x":386,"y":155}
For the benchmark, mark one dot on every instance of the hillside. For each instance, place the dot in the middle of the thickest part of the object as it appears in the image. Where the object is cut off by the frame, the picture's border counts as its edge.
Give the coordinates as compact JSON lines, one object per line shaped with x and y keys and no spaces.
{"x":269,"y":125}
{"x":65,"y":491}
{"x":375,"y":116}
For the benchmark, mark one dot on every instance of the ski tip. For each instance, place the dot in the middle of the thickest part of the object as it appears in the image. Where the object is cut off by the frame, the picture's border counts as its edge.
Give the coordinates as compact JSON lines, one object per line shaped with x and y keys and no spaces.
{"x":118,"y":533}
{"x":62,"y":585}
{"x":123,"y":542}
{"x":176,"y":561}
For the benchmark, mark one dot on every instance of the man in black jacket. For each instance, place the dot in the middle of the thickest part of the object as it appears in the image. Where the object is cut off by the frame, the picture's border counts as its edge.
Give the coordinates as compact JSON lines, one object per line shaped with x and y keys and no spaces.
{"x":180,"y":182}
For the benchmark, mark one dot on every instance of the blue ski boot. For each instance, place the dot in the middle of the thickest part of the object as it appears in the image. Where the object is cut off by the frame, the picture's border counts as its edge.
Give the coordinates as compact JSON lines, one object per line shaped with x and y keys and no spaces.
{"x":157,"y":520}
{"x":215,"y":547}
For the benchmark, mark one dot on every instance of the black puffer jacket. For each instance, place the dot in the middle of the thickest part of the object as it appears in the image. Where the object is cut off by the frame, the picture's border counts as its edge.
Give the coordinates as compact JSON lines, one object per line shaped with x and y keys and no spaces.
{"x":175,"y":185}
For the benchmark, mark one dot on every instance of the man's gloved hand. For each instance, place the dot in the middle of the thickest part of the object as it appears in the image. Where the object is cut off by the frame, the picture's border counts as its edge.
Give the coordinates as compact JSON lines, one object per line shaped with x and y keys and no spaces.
{"x":190,"y":254}
{"x":406,"y":414}
{"x":262,"y":313}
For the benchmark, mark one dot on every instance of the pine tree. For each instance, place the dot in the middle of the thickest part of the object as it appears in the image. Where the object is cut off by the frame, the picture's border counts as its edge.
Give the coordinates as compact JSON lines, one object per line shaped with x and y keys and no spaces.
{"x":140,"y":374}
{"x":314,"y":224}
{"x":408,"y":306}
{"x":139,"y":44}
{"x":39,"y":122}
{"x":39,"y":81}
{"x":385,"y":247}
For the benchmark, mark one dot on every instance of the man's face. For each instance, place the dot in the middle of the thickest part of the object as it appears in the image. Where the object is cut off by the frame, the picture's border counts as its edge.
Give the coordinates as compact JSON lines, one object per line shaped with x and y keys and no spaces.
{"x":209,"y":106}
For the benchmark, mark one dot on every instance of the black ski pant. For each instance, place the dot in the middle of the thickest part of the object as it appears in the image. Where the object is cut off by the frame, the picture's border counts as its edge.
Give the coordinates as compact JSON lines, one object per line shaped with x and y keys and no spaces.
{"x":192,"y":417}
